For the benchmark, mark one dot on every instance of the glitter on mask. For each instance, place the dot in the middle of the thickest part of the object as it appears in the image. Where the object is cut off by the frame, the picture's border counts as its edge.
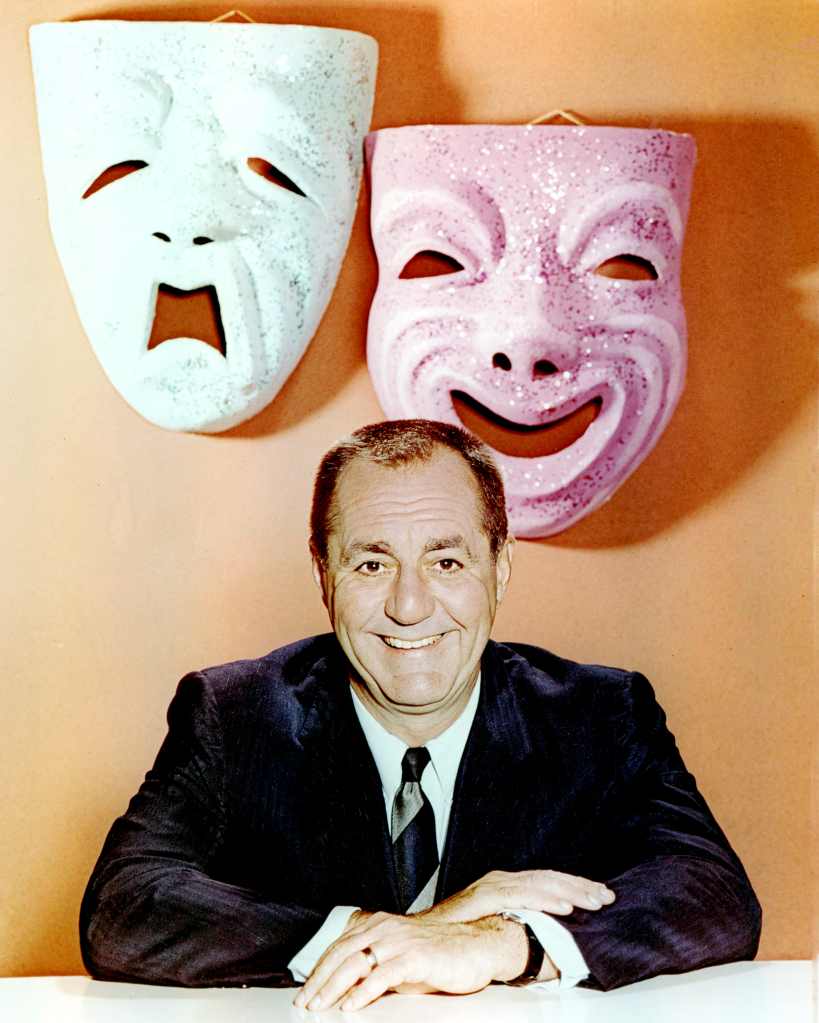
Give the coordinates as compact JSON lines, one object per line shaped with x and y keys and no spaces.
{"x":245,"y":145}
{"x":578,"y":236}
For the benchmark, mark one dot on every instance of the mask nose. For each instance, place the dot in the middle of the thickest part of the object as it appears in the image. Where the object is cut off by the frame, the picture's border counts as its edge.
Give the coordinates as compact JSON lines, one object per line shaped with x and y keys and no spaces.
{"x":533,"y":369}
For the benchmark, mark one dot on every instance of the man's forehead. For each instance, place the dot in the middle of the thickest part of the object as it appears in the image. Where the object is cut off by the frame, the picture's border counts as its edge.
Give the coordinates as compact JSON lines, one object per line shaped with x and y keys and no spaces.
{"x":369,"y":477}
{"x":437,"y":498}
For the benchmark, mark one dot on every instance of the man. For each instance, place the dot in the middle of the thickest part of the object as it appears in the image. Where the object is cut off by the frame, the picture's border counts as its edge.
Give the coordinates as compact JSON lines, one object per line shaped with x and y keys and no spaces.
{"x":406,"y":805}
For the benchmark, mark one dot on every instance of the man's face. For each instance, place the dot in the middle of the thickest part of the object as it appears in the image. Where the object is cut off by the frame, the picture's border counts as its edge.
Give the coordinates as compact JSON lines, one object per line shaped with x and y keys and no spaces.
{"x":194,"y":162}
{"x":529,"y":290}
{"x":411,"y":588}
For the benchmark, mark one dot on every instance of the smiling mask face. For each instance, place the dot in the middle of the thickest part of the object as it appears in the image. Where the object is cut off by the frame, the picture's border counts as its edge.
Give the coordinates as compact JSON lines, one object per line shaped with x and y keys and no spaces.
{"x":529,"y":290}
{"x":201,"y":163}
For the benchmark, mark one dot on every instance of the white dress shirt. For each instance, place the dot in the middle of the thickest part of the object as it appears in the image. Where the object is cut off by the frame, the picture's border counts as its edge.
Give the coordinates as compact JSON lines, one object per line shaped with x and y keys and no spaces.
{"x":438,"y":783}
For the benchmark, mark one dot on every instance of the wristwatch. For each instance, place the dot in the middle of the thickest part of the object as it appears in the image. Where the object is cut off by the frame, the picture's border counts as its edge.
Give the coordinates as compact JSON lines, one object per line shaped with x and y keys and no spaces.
{"x":534,"y":963}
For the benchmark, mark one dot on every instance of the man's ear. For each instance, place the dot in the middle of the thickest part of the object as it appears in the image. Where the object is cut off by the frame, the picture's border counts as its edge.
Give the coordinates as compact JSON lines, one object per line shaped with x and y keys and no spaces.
{"x":319,"y":575}
{"x":503,"y":567}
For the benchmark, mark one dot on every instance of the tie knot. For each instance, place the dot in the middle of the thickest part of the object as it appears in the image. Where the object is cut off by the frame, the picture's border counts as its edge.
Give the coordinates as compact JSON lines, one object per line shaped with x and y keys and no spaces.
{"x":412,"y":766}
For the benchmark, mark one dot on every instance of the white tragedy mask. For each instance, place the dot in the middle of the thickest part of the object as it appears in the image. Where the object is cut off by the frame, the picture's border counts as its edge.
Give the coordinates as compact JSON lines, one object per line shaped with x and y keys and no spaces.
{"x":192,"y":158}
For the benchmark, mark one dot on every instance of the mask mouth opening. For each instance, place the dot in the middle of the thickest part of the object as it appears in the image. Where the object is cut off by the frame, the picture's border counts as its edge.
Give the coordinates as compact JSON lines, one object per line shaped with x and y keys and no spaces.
{"x":522,"y":440}
{"x":191,"y":314}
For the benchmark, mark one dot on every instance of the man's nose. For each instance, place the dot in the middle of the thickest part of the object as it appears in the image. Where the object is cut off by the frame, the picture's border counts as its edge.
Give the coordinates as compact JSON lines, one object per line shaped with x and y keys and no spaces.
{"x":409,"y":600}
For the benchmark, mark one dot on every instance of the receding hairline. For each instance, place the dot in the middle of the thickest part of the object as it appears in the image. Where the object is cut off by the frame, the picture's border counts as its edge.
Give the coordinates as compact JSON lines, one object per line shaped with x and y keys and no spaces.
{"x":417,"y":462}
{"x":392,"y":444}
{"x":418,"y":459}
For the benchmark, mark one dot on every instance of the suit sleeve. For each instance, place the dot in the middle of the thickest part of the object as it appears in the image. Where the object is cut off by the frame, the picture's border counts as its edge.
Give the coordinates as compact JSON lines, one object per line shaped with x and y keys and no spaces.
{"x":153,"y":910}
{"x":683,"y":898}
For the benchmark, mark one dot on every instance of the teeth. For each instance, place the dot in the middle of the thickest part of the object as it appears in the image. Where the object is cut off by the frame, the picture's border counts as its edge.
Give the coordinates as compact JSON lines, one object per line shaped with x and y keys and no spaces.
{"x":405,"y":644}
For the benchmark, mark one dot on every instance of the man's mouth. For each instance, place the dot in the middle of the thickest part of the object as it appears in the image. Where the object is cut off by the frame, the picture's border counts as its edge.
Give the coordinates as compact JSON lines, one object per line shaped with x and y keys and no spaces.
{"x":192,"y":314}
{"x":411,"y":644}
{"x":520,"y":439}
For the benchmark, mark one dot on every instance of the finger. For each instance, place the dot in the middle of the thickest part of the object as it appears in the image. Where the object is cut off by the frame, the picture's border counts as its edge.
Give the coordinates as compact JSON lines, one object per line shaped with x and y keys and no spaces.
{"x":382,"y":979}
{"x":584,"y":892}
{"x":591,"y":895}
{"x":341,"y":981}
{"x":352,"y":940}
{"x":586,"y":882}
{"x":327,"y":964}
{"x":554,"y":892}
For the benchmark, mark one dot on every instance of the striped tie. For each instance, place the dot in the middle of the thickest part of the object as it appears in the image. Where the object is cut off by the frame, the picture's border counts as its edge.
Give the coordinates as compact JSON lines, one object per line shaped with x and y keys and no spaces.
{"x":414,"y":846}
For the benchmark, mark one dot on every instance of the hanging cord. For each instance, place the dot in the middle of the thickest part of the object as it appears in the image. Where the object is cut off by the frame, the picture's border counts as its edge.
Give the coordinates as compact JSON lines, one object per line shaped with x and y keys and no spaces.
{"x":233,"y":14}
{"x":566,"y":115}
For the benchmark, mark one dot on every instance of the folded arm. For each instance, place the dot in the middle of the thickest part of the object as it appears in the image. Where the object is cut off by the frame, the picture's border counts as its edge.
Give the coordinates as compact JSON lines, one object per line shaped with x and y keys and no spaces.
{"x":683,"y":898}
{"x":676,"y":897}
{"x":153,"y":911}
{"x":335,"y":970}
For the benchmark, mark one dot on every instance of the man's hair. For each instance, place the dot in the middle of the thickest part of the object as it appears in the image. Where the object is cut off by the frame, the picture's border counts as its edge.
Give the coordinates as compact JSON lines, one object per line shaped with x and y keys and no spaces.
{"x":398,"y":442}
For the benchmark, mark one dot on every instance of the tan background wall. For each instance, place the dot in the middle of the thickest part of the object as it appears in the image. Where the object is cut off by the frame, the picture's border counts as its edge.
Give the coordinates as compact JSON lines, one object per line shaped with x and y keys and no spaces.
{"x":132,"y":555}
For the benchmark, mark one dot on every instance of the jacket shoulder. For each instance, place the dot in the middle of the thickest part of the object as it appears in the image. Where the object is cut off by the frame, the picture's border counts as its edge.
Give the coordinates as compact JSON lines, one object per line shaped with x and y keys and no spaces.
{"x":616,"y":707}
{"x":277,"y":689}
{"x":549,"y":671}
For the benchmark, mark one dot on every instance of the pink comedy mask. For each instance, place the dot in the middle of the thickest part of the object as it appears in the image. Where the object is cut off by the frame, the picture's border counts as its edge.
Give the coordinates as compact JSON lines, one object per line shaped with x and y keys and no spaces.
{"x":529,"y":290}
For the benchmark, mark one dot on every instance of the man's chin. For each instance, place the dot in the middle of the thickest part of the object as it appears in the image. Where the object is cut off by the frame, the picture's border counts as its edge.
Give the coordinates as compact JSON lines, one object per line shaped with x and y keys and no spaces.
{"x":412,"y":692}
{"x":411,"y":695}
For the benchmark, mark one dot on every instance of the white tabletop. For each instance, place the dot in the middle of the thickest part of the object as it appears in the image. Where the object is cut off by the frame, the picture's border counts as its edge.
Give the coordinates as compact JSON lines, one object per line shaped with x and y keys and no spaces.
{"x":764,"y":992}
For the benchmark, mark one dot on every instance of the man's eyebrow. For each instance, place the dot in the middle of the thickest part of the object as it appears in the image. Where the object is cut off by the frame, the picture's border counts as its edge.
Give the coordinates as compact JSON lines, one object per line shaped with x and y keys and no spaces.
{"x":355,"y":550}
{"x":445,"y":543}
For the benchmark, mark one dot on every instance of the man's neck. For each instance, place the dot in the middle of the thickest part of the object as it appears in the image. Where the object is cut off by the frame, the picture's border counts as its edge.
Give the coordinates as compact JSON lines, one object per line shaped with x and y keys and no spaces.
{"x":415,"y":727}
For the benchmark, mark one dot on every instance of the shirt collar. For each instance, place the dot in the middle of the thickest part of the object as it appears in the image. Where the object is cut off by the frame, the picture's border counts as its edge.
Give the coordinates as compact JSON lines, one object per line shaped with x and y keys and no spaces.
{"x":445,"y":750}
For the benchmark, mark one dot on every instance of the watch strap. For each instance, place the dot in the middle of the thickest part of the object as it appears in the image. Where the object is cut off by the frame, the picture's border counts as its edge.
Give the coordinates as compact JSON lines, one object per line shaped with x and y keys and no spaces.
{"x":537,"y":953}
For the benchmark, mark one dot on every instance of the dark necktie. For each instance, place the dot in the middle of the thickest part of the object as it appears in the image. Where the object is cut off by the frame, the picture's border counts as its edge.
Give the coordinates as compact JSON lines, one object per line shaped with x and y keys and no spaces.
{"x":414,"y":846}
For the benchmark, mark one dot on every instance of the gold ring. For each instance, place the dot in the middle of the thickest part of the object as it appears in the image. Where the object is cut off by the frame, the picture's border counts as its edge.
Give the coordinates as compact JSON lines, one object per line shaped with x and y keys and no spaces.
{"x":371,"y":957}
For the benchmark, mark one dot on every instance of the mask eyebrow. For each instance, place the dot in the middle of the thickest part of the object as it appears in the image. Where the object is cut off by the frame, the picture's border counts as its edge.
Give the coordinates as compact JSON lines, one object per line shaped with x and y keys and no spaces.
{"x":574,"y":232}
{"x":261,"y":121}
{"x":400,"y":214}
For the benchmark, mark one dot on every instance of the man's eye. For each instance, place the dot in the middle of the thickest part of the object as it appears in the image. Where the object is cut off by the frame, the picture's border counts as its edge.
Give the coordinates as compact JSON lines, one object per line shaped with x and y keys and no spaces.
{"x":448,"y":565}
{"x":370,"y":568}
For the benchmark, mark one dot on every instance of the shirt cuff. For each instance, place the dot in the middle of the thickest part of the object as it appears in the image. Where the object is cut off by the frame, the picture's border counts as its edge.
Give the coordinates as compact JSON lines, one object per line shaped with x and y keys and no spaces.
{"x":303,"y":962}
{"x":559,"y":944}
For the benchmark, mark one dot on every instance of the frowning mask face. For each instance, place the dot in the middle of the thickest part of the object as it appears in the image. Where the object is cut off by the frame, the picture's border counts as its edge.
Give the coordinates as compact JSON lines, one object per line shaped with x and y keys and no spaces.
{"x":215,"y":163}
{"x":529,"y":289}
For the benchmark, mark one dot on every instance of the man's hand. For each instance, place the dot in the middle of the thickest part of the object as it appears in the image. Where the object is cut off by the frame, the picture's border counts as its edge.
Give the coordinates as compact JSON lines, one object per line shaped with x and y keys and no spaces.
{"x":413,"y":955}
{"x":457,"y":946}
{"x":546,"y":890}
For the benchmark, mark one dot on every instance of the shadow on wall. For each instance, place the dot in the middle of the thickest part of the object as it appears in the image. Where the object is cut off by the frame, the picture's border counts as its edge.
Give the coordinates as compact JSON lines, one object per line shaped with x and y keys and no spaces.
{"x":750,"y":250}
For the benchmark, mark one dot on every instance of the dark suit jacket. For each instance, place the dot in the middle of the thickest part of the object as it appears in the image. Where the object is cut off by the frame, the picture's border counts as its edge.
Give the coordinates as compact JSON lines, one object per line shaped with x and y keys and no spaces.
{"x":264,"y":810}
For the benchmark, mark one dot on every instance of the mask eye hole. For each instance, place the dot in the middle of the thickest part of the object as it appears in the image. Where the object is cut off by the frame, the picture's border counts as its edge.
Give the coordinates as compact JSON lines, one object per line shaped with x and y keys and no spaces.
{"x":430,"y":263}
{"x":266,"y":170}
{"x":112,"y":174}
{"x":627,"y":267}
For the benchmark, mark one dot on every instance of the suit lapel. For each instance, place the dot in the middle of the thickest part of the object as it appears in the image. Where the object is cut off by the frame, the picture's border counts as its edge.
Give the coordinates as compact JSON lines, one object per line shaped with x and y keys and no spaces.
{"x":508,"y":791}
{"x":499,"y":776}
{"x":353,"y":855}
